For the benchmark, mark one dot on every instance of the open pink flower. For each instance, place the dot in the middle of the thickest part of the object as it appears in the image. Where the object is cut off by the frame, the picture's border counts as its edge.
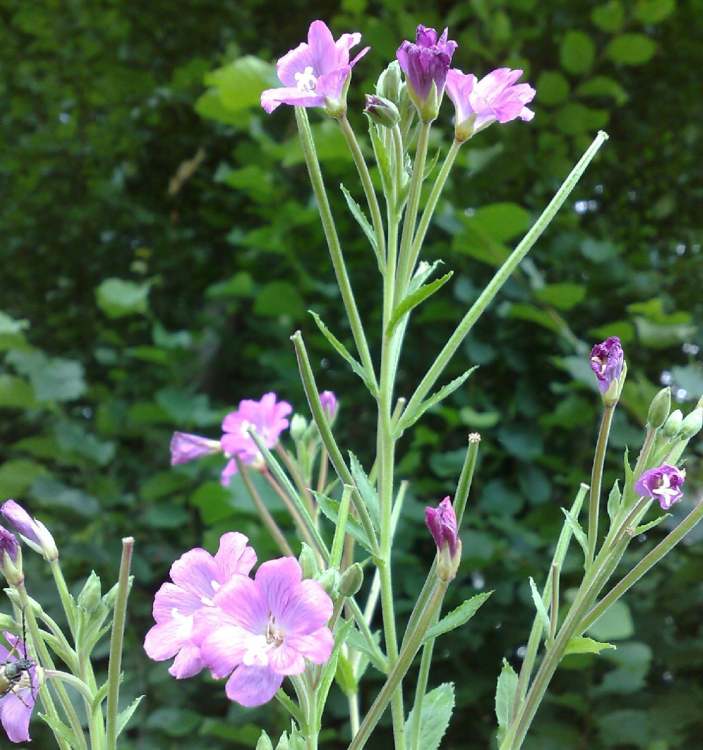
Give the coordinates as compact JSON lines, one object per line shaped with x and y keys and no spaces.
{"x":495,"y":98}
{"x":264,"y":629}
{"x":196,"y":577}
{"x":187,"y":447}
{"x":663,"y":484}
{"x":17,"y":704}
{"x":314,"y":74}
{"x":267,"y":417}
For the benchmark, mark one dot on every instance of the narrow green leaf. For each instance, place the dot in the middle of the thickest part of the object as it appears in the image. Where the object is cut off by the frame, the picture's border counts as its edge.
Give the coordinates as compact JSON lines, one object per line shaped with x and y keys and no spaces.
{"x":366,"y":490}
{"x":414,"y":299}
{"x":344,"y":676}
{"x":330,"y":509}
{"x":343,"y":352}
{"x":583,"y":645}
{"x":125,"y":715}
{"x":437,"y":708}
{"x":650,"y":525}
{"x":505,"y":695}
{"x":357,"y":641}
{"x":459,"y":616}
{"x":331,"y":668}
{"x":382,"y":158}
{"x":576,"y":529}
{"x":59,"y":729}
{"x":614,"y":501}
{"x":358,"y":213}
{"x":539,"y":605}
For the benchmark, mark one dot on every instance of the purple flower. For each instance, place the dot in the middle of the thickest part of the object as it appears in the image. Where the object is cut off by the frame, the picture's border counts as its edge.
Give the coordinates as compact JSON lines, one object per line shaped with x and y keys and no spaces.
{"x":267,"y":417}
{"x":264,"y":629}
{"x":186,"y":447}
{"x":34,"y":533}
{"x":426,"y":62}
{"x":329,"y":404}
{"x":662,"y":484}
{"x":495,"y":98}
{"x":8,"y":543}
{"x":607,"y":361}
{"x":315,"y":74}
{"x":441,"y":521}
{"x":197,"y":576}
{"x":17,"y":704}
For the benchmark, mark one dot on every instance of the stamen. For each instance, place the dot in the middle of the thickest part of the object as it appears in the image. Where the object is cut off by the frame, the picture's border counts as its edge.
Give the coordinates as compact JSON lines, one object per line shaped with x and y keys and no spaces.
{"x":307,"y":80}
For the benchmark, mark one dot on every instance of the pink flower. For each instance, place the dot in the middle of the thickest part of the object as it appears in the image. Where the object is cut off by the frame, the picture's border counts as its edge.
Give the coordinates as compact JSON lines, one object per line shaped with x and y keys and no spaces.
{"x":441,"y":521}
{"x":495,"y":98}
{"x":197,"y":576}
{"x":17,"y":704}
{"x":662,"y":484}
{"x":264,"y":629}
{"x":186,"y":447}
{"x":315,"y":74}
{"x":267,"y":417}
{"x":607,"y":360}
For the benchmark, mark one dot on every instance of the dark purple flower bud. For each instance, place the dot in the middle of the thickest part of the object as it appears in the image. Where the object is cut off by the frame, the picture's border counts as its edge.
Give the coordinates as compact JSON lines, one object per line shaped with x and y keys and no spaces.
{"x":329,"y":404}
{"x":186,"y":447}
{"x":441,"y":521}
{"x":382,"y":111}
{"x":34,"y":533}
{"x":607,"y":361}
{"x":426,"y":62}
{"x":8,"y":543}
{"x":662,"y":484}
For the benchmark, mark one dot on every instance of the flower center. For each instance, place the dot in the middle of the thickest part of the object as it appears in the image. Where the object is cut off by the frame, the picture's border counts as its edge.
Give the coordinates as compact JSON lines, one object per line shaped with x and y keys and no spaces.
{"x":274,"y":635}
{"x":307,"y":80}
{"x":599,"y":365}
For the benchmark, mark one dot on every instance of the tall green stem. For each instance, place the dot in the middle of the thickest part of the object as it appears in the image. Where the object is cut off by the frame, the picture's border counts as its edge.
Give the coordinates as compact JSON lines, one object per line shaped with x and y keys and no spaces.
{"x":597,"y":478}
{"x":266,"y":517}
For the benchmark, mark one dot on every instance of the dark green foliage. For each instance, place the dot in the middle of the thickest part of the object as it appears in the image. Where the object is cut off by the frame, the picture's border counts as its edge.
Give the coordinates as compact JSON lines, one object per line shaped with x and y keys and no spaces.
{"x":160,"y":245}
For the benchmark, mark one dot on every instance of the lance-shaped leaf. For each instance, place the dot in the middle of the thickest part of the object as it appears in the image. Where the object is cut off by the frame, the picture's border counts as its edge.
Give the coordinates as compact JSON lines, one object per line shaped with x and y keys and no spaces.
{"x":459,"y":616}
{"x":330,"y":509}
{"x":414,"y":299}
{"x":539,"y":605}
{"x":126,"y":714}
{"x":576,"y":530}
{"x":437,"y":708}
{"x":582,"y":645}
{"x":358,"y":213}
{"x":366,"y":490}
{"x":614,"y":501}
{"x":375,"y":656}
{"x":505,"y":696}
{"x":332,"y":667}
{"x":650,"y":525}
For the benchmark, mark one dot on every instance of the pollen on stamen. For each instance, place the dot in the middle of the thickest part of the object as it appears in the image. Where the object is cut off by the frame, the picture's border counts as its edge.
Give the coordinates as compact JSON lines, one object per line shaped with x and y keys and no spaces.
{"x":306,"y":80}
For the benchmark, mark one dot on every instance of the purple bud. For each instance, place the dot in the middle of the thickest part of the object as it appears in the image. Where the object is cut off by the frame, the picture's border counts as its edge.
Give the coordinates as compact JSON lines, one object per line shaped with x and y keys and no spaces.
{"x":329,"y":404}
{"x":8,"y":543}
{"x":186,"y":447}
{"x":607,"y":361}
{"x":32,"y":531}
{"x":662,"y":484}
{"x":441,"y":521}
{"x":426,"y":61}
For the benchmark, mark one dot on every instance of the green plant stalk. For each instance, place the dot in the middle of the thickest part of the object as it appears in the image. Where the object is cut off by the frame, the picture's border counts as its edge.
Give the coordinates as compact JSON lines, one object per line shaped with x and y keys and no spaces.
{"x":367,"y":184}
{"x":333,"y":244}
{"x":75,"y":682}
{"x":431,"y":205}
{"x":67,"y":602}
{"x":297,"y":477}
{"x":502,"y":275}
{"x":597,"y":479}
{"x":262,"y":510}
{"x":294,"y":511}
{"x":47,"y":662}
{"x":114,"y":668}
{"x":410,"y":647}
{"x":340,"y":529}
{"x":554,"y":606}
{"x":284,"y":699}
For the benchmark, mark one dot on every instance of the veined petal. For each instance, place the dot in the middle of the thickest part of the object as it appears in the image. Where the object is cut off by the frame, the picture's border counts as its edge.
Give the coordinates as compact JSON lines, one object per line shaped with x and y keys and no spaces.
{"x":195,"y":571}
{"x":15,"y":715}
{"x":293,"y":62}
{"x":252,"y":686}
{"x":307,"y":609}
{"x":223,"y":649}
{"x":188,"y":662}
{"x":323,"y":50}
{"x":330,"y":86}
{"x":170,"y":598}
{"x":286,"y":660}
{"x":316,"y":646}
{"x":165,"y":639}
{"x":234,"y":556}
{"x":278,"y":581}
{"x":244,"y":603}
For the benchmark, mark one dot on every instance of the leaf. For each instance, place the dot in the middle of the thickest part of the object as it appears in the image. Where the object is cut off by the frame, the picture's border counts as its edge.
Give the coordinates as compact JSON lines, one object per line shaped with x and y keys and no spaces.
{"x":575,"y":118}
{"x":609,"y":17}
{"x":505,"y":697}
{"x":539,"y":605}
{"x":344,"y":676}
{"x":437,"y":708}
{"x":264,"y":742}
{"x":126,"y":714}
{"x":330,"y":508}
{"x":16,"y":393}
{"x":577,"y":52}
{"x":459,"y":616}
{"x":17,"y":475}
{"x":631,"y":49}
{"x":603,"y":87}
{"x":562,"y":296}
{"x":343,"y":352}
{"x":582,"y":645}
{"x":577,"y":531}
{"x":650,"y":525}
{"x":174,"y":722}
{"x":366,"y":490}
{"x":500,"y":221}
{"x":118,"y":297}
{"x":279,"y":298}
{"x":238,"y":85}
{"x":52,"y":378}
{"x":414,"y":299}
{"x":357,"y":641}
{"x":553,"y":87}
{"x":654,"y":11}
{"x":614,"y":500}
{"x":360,"y":217}
{"x":59,"y":729}
{"x":614,"y":624}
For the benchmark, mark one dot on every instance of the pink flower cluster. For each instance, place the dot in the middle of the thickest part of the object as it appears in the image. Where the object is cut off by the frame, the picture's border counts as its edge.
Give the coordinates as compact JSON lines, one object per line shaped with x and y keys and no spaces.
{"x":252,"y":631}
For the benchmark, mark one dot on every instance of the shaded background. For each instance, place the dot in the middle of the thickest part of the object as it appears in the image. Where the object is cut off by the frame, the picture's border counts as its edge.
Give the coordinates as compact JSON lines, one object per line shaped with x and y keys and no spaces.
{"x":160,"y":245}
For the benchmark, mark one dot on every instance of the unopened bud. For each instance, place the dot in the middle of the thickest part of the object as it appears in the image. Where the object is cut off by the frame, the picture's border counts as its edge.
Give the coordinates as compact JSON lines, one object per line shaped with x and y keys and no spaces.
{"x":298,"y":425}
{"x":692,"y":424}
{"x":351,"y":581}
{"x":673,"y":424}
{"x":308,"y":562}
{"x":91,"y":594}
{"x":659,"y":408}
{"x":382,"y":111}
{"x":390,"y":82}
{"x":329,"y":580}
{"x":264,"y":742}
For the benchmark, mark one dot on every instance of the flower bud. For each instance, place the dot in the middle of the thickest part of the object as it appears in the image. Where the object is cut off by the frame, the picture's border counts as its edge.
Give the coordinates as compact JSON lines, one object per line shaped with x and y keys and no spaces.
{"x":264,"y":742}
{"x":441,"y":521}
{"x":390,"y":82}
{"x":608,"y":364}
{"x":692,"y":424}
{"x":187,"y":447}
{"x":32,"y":532}
{"x":91,"y":594}
{"x":351,"y":580}
{"x":329,"y":404}
{"x":298,"y":425}
{"x":382,"y":111}
{"x":329,"y":580}
{"x":673,"y":424}
{"x":659,"y":408}
{"x":308,"y":562}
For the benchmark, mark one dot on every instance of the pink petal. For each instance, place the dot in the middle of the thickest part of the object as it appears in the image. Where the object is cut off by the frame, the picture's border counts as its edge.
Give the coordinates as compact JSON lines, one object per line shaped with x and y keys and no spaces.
{"x":277,"y":580}
{"x":188,"y":662}
{"x":316,"y":646}
{"x":228,"y":472}
{"x":223,"y":649}
{"x":165,"y":640}
{"x":171,"y":597}
{"x":293,"y":62}
{"x":234,"y":556}
{"x":286,"y":660}
{"x":307,"y":609}
{"x":15,"y":715}
{"x":244,"y":603}
{"x":322,"y":48}
{"x":195,"y":571}
{"x":328,"y":86}
{"x":344,"y":44}
{"x":252,"y":686}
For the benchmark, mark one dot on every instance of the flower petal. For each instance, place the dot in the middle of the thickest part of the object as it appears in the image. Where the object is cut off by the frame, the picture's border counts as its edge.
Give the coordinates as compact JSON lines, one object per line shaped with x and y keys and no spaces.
{"x":293,"y":62}
{"x":170,"y":598}
{"x":165,"y":640}
{"x":15,"y":715}
{"x":244,"y":603}
{"x":195,"y":572}
{"x":188,"y":662}
{"x":234,"y":556}
{"x":278,"y":580}
{"x":252,"y":686}
{"x":308,"y":608}
{"x":323,"y":50}
{"x":223,"y":649}
{"x":316,"y":646}
{"x":286,"y":660}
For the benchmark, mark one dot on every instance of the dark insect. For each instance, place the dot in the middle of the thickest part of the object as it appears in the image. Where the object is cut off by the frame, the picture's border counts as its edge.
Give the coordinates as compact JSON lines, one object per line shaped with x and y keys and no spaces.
{"x":15,"y":674}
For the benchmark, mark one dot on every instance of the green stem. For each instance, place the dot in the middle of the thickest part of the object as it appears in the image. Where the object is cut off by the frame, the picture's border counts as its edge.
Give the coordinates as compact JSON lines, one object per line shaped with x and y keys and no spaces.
{"x":298,"y":480}
{"x":596,"y":480}
{"x":67,"y":602}
{"x":333,"y":244}
{"x":70,"y":679}
{"x":116,"y":642}
{"x":502,"y":275}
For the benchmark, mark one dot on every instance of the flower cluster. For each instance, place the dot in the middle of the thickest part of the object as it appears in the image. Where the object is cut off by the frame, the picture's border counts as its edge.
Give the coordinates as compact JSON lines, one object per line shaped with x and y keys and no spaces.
{"x":253,"y":631}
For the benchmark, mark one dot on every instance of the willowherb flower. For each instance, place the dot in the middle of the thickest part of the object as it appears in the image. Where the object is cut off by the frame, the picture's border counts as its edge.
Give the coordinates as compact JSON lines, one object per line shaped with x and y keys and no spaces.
{"x":8,"y":544}
{"x":196,"y":577}
{"x":267,"y":417}
{"x":329,"y":404}
{"x":662,"y":484}
{"x":495,"y":98}
{"x":33,"y":532}
{"x":425,"y":63}
{"x":441,"y":521}
{"x":265,"y":629}
{"x":17,"y":704}
{"x":187,"y":447}
{"x":316,"y":73}
{"x":607,"y":361}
